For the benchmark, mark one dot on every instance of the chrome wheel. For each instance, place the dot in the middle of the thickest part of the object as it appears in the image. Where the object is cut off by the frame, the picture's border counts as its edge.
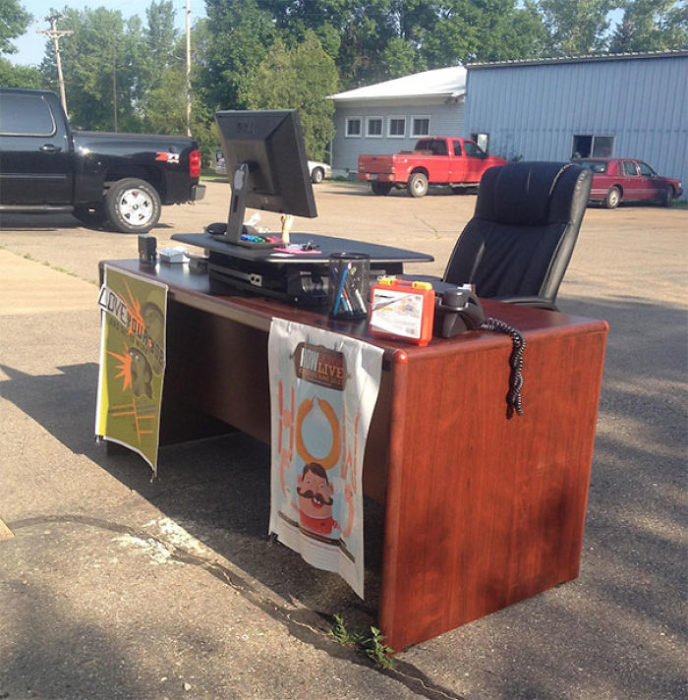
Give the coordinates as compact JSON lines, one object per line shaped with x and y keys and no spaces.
{"x":613,"y":198}
{"x":135,"y":207}
{"x":418,"y":185}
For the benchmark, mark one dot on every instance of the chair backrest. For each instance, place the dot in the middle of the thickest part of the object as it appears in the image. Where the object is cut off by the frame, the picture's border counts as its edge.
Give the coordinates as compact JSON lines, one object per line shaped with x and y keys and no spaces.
{"x":522,"y":234}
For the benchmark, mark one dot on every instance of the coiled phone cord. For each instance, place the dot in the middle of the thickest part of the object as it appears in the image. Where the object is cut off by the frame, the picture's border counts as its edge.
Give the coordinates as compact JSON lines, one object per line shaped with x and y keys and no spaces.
{"x":514,"y":400}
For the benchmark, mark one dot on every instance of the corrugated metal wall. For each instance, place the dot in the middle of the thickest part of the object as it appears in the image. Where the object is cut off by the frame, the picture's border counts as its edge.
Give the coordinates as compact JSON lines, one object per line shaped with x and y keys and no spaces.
{"x":534,"y":111}
{"x":445,"y":120}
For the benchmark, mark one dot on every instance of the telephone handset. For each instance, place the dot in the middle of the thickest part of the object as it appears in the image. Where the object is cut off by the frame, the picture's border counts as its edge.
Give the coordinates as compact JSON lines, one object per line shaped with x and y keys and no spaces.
{"x":457,"y":310}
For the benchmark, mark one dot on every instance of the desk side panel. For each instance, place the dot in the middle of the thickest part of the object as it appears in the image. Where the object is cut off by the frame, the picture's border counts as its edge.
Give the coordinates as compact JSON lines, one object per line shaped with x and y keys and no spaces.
{"x":490,"y":510}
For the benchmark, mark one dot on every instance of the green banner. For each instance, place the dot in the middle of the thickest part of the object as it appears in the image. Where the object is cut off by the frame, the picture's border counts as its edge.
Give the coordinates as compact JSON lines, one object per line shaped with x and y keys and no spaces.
{"x":132,"y":362}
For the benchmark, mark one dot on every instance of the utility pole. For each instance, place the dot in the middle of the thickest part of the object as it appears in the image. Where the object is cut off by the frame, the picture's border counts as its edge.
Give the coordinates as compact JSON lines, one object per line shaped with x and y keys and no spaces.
{"x":114,"y":86}
{"x":188,"y":67}
{"x":54,"y":33}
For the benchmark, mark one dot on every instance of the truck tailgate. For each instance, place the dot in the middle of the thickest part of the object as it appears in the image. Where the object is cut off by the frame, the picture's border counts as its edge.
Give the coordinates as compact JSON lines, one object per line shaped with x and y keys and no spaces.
{"x":373,"y":164}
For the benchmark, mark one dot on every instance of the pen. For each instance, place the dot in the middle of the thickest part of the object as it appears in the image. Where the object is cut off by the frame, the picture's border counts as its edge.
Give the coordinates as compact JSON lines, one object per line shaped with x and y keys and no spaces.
{"x":348,"y":307}
{"x":340,"y":291}
{"x":360,"y":300}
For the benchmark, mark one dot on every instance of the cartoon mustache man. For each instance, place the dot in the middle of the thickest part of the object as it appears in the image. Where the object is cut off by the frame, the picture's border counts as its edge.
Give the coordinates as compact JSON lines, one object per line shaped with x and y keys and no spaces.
{"x":315,"y":501}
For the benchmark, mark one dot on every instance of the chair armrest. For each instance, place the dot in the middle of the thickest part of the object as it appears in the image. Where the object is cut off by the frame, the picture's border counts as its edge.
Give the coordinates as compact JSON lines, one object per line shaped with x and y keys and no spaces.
{"x":535,"y":302}
{"x":420,"y":278}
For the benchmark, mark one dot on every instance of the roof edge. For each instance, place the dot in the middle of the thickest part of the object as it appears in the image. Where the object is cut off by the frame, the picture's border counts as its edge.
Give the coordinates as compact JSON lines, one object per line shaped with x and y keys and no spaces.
{"x":449,"y":94}
{"x":587,"y":58}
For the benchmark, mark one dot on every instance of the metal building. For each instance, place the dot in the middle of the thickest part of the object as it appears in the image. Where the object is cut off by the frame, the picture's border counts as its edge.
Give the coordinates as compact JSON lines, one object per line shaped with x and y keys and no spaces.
{"x":633,"y":105}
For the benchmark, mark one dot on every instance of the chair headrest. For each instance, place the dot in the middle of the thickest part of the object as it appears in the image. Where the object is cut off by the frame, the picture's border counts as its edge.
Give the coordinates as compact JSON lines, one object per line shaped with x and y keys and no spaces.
{"x":522,"y":193}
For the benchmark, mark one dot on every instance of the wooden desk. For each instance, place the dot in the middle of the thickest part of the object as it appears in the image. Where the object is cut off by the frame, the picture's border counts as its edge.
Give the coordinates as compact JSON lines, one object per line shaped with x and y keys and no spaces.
{"x":481,"y":511}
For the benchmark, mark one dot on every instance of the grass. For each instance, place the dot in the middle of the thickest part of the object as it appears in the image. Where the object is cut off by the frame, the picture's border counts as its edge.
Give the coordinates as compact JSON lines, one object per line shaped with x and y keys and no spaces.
{"x":371,"y":644}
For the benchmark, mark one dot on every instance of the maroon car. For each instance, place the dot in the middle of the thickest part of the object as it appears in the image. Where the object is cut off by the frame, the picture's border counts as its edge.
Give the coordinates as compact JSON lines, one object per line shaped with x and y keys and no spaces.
{"x":617,"y":180}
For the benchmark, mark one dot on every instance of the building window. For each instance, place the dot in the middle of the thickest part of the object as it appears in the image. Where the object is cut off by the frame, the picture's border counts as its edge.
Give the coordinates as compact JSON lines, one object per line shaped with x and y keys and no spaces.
{"x":353,"y":126}
{"x":397,"y":127}
{"x":591,"y":146}
{"x":602,"y":146}
{"x":374,"y":127}
{"x":420,"y":126}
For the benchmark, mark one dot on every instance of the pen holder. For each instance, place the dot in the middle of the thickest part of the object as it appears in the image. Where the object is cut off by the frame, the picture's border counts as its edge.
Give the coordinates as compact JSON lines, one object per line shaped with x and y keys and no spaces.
{"x":349,"y":285}
{"x":148,"y":250}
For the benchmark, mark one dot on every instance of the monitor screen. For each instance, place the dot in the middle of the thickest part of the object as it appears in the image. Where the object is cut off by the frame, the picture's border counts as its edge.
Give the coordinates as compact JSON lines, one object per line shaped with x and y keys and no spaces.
{"x":266,"y":165}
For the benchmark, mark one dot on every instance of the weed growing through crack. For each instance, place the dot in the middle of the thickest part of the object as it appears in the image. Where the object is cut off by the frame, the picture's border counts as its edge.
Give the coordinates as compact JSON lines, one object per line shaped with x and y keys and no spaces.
{"x":373,"y":645}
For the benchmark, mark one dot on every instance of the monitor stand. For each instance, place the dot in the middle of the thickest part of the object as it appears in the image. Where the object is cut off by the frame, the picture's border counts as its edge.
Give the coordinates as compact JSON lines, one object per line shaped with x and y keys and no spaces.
{"x":235,"y":232}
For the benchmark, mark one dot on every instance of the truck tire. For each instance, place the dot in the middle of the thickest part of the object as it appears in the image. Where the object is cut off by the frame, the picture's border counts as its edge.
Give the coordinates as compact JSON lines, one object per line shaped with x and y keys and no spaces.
{"x":132,"y":205}
{"x":381,"y":188}
{"x":417,"y":185}
{"x":611,"y":201}
{"x":94,"y":217}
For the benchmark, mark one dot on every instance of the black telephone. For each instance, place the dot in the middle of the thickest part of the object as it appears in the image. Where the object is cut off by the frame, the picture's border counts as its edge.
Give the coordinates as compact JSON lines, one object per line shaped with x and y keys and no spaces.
{"x":457,"y":310}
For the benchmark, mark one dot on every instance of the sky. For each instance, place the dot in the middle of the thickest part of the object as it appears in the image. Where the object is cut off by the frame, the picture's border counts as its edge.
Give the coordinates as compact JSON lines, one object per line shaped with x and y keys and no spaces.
{"x":31,"y":46}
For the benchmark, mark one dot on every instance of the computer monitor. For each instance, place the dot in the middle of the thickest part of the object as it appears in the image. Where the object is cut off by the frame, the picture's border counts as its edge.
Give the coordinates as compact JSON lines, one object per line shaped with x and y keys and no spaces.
{"x":266,"y":167}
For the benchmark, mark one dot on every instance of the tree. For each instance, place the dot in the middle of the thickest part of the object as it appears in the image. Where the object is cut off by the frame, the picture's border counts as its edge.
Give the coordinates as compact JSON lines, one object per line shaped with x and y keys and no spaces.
{"x":163,"y":74}
{"x":163,"y":50}
{"x":484,"y":30}
{"x":164,"y":105}
{"x":676,"y":25}
{"x":102,"y":64}
{"x":241,"y":35}
{"x":384,"y":39}
{"x":576,"y":27}
{"x":115,"y":69}
{"x":19,"y":76}
{"x":352,"y":32}
{"x":651,"y":25}
{"x":14,"y":20}
{"x":400,"y":57}
{"x":299,"y":78}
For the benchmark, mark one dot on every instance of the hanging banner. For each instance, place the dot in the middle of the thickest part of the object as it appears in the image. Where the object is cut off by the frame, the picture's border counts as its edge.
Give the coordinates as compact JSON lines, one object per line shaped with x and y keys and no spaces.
{"x":132,"y":362}
{"x":323,"y":389}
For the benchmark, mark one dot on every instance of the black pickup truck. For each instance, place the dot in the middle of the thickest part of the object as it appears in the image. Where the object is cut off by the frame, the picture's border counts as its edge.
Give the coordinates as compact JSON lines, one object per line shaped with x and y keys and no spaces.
{"x":116,"y":180}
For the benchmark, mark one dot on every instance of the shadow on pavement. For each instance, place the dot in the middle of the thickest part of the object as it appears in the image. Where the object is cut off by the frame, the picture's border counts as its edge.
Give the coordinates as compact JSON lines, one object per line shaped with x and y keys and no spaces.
{"x":633,"y":567}
{"x":53,"y":222}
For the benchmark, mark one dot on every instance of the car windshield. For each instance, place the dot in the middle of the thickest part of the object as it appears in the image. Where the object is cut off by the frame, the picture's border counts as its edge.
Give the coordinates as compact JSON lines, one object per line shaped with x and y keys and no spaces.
{"x":595,"y":165}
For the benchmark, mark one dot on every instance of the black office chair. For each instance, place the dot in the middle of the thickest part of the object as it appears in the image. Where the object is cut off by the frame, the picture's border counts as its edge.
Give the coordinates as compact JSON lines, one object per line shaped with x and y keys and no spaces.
{"x":518,"y":244}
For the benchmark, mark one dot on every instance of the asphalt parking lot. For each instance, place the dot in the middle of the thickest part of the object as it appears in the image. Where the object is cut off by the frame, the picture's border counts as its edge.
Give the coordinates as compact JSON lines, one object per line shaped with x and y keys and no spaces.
{"x":116,"y":586}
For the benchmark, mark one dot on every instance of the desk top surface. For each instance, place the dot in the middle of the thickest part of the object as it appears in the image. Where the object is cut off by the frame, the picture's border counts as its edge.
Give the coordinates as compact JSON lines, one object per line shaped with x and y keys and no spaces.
{"x":324,"y":246}
{"x":193,"y":289}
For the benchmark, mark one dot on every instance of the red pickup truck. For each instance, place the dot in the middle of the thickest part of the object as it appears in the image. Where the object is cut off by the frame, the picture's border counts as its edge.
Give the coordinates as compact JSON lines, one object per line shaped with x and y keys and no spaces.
{"x":439,"y":160}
